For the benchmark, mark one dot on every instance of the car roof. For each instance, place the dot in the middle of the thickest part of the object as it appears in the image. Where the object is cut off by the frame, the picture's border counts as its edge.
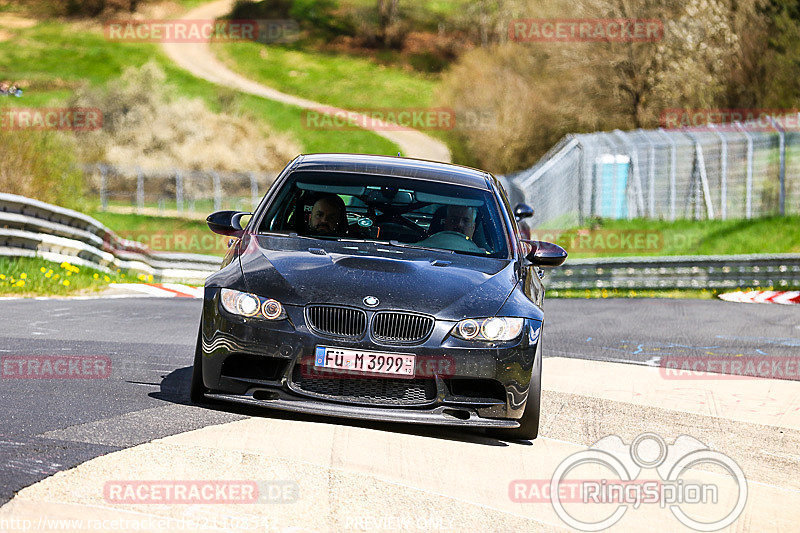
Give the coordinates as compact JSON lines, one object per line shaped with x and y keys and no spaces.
{"x":404,"y":167}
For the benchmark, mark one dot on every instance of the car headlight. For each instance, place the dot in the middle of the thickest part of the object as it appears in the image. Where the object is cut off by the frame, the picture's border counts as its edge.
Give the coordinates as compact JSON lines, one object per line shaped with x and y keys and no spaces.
{"x":489,"y":329}
{"x":250,"y":305}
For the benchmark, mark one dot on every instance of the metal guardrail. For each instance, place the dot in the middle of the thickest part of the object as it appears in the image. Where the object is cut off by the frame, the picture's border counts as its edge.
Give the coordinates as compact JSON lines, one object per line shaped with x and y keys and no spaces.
{"x":30,"y":228}
{"x":780,"y":271}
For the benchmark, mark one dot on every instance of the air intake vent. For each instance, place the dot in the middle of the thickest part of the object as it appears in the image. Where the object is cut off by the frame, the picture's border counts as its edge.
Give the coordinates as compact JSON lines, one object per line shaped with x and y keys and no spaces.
{"x":336,"y":321}
{"x":391,"y":326}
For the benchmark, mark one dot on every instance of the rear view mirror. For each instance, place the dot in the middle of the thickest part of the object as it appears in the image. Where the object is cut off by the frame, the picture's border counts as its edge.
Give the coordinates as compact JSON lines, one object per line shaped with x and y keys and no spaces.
{"x":546,"y":254}
{"x":227,"y":223}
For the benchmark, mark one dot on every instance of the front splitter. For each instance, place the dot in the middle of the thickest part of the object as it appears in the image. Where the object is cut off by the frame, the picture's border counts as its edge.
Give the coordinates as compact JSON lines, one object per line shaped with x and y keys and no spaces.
{"x":439,"y":416}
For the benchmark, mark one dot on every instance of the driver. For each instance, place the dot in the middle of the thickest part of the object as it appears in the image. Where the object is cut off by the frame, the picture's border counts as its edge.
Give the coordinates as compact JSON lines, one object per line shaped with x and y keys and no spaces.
{"x":328,"y":216}
{"x":461,"y":219}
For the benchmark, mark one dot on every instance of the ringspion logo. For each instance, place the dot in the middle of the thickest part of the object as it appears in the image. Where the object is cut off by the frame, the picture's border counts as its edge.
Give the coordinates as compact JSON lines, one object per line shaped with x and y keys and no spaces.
{"x":614,"y":477}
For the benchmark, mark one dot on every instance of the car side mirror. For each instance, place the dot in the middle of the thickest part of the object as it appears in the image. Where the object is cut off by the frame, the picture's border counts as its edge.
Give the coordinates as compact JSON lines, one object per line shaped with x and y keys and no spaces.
{"x":227,"y":223}
{"x":546,"y":254}
{"x":523,"y":211}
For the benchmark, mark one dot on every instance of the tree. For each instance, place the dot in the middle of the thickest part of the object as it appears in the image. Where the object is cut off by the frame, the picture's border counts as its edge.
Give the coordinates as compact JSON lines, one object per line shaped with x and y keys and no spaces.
{"x":387,"y":16}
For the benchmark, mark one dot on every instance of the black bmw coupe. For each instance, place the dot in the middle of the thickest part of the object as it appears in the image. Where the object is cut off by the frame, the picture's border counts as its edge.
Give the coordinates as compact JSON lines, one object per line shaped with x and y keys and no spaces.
{"x":382,"y":288}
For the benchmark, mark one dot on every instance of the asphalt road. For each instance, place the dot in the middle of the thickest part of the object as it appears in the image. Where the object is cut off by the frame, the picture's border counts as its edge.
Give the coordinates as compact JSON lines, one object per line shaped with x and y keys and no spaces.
{"x":54,"y":425}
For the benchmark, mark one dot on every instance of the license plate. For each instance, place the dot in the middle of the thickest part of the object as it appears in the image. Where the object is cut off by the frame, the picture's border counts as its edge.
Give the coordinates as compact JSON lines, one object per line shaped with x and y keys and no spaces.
{"x":401,"y":364}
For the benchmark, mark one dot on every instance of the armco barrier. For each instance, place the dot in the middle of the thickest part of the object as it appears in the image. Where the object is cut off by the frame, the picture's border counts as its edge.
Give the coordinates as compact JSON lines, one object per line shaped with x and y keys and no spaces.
{"x":30,"y":228}
{"x":780,"y":271}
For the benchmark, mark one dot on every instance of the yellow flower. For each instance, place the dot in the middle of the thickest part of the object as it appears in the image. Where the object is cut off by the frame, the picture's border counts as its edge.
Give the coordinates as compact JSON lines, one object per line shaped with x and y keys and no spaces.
{"x":49,"y":274}
{"x":2,"y":276}
{"x":96,"y":276}
{"x":56,"y":276}
{"x":66,"y":282}
{"x":21,"y":283}
{"x":106,"y":278}
{"x":69,"y":272}
{"x":23,"y":276}
{"x":43,"y":269}
{"x":150,"y":277}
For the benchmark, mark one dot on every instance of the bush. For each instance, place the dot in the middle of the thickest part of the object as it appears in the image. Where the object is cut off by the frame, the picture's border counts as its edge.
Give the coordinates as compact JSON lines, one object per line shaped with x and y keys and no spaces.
{"x":41,"y":165}
{"x":145,"y":125}
{"x":510,"y":107}
{"x":81,"y":8}
{"x":315,"y":16}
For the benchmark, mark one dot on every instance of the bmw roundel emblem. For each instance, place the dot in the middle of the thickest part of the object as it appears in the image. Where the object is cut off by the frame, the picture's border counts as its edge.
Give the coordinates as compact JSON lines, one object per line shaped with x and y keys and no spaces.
{"x":371,"y":301}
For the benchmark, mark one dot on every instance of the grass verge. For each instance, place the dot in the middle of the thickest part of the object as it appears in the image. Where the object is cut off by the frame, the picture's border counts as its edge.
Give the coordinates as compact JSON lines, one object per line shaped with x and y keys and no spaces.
{"x":54,"y":58}
{"x":693,"y":294}
{"x":336,"y":79}
{"x":28,"y":276}
{"x":165,"y":234}
{"x":641,"y":237}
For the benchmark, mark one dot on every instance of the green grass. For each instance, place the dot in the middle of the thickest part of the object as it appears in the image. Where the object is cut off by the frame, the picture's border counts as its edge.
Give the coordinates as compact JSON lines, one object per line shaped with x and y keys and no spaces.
{"x":165,"y":234}
{"x":702,"y":294}
{"x":25,"y":276}
{"x":682,"y":237}
{"x":340,"y":80}
{"x":54,"y":58}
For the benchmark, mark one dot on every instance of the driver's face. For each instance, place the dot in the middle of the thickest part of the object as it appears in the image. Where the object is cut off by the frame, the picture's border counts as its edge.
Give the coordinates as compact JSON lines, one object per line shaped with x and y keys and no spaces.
{"x":460,"y":219}
{"x":325,"y":218}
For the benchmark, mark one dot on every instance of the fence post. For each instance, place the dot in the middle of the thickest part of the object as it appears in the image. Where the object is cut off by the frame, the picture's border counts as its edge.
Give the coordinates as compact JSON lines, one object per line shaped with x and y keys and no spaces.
{"x":179,"y":190}
{"x":103,"y":187}
{"x":749,"y":182}
{"x":673,"y":164}
{"x":723,"y":170}
{"x":217,"y":191}
{"x":700,"y":166}
{"x":139,"y":190}
{"x":253,"y":191}
{"x":637,"y":179}
{"x":782,"y":172}
{"x":651,"y":176}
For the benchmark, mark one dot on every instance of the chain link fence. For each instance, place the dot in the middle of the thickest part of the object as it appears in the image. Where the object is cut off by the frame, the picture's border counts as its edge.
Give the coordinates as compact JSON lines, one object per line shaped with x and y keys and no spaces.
{"x":733,"y":171}
{"x":176,"y":191}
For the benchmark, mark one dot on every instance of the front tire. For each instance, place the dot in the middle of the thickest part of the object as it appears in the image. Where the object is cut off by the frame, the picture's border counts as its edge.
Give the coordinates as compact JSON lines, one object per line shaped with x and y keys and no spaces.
{"x":529,"y":422}
{"x":198,"y":388}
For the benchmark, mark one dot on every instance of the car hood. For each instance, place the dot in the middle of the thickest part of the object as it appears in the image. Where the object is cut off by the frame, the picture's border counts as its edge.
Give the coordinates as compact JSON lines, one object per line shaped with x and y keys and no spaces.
{"x":300,"y":271}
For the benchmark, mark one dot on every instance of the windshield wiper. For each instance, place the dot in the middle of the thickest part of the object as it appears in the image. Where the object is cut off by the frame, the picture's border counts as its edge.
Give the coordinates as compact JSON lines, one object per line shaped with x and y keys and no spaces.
{"x":330,"y":238}
{"x":414,"y":246}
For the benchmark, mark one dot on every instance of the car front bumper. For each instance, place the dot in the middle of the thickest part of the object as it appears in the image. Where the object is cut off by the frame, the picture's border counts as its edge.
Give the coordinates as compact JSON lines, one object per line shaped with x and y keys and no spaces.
{"x":456,"y":382}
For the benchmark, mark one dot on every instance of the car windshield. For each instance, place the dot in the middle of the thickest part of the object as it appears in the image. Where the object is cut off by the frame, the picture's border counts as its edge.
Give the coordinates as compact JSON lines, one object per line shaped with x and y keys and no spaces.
{"x":397,"y":211}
